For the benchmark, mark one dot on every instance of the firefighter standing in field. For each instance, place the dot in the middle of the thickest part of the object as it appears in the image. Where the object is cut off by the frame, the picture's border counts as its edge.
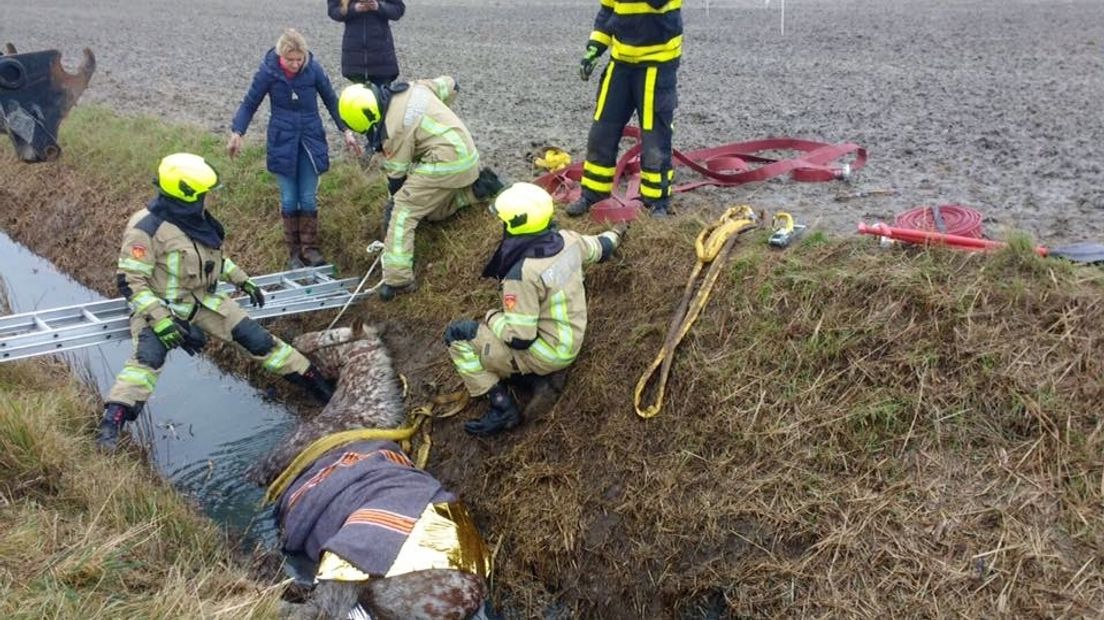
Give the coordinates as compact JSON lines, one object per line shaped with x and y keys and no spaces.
{"x":170,"y":264}
{"x":539,"y":329}
{"x":431,"y":163}
{"x":645,"y":42}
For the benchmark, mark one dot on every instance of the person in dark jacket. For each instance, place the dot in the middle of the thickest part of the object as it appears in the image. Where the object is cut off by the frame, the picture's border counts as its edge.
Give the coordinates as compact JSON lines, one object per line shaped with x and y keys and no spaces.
{"x":367,"y":49}
{"x":297,"y":151}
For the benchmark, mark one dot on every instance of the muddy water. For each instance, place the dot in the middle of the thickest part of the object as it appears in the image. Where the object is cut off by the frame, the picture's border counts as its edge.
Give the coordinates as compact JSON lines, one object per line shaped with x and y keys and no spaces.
{"x":203,"y":427}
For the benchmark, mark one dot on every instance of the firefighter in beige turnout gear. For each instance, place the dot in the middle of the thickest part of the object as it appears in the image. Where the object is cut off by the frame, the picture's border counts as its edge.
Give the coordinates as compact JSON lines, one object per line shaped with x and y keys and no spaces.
{"x":430,"y":160}
{"x":539,"y":329}
{"x":170,"y":263}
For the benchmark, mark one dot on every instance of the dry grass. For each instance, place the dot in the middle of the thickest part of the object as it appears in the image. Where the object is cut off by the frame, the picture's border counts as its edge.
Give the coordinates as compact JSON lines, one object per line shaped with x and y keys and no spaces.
{"x":87,"y":536}
{"x":847,"y":432}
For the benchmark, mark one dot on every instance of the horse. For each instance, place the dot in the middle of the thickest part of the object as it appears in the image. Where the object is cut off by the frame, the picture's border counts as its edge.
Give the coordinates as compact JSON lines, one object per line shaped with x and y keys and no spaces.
{"x":381,"y":533}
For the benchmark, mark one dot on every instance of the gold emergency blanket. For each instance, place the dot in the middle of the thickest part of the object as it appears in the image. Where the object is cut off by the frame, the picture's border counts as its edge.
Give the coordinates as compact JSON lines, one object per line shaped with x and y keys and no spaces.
{"x":444,"y":537}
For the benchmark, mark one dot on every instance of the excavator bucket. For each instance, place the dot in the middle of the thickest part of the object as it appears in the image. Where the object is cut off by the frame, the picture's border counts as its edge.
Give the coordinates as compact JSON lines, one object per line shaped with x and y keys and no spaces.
{"x":35,"y":95}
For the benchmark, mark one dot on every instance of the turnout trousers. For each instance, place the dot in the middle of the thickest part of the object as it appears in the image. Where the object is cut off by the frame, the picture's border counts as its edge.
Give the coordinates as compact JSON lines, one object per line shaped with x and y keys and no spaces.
{"x":651,"y":91}
{"x":420,"y":198}
{"x":137,"y":380}
{"x":485,"y":360}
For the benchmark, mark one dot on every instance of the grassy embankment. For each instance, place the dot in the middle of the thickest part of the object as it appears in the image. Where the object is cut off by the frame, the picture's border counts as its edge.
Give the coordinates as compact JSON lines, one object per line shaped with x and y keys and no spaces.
{"x":87,"y":536}
{"x":847,"y":432}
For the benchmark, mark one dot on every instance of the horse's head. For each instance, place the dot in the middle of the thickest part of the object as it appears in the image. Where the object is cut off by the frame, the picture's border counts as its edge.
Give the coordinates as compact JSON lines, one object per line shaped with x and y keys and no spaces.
{"x":367,"y":394}
{"x":332,"y":349}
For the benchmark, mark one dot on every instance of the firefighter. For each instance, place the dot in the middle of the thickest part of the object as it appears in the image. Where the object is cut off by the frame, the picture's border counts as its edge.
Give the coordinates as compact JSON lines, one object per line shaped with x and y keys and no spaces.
{"x":645,"y":43}
{"x":170,"y":264}
{"x":431,"y":163}
{"x":539,"y":329}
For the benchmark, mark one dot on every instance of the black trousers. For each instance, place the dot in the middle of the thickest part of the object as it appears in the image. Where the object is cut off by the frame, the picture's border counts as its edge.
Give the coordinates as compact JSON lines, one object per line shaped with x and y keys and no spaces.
{"x":651,"y":91}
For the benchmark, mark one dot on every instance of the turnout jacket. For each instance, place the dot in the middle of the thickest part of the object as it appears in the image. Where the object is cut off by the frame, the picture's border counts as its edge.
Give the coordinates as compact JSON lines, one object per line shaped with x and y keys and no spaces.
{"x":544,"y":307}
{"x":162,"y":271}
{"x":426,"y":138}
{"x":641,"y":31}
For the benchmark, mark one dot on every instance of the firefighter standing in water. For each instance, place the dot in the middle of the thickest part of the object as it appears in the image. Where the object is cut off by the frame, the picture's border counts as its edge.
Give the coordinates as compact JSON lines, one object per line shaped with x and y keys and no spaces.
{"x":430,"y":160}
{"x":170,"y":264}
{"x":540,"y":327}
{"x":645,"y":42}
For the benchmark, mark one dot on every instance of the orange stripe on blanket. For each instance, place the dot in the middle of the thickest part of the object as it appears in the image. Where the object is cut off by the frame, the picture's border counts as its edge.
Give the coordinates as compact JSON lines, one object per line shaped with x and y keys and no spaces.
{"x":382,"y":518}
{"x":397,"y":457}
{"x":346,"y":460}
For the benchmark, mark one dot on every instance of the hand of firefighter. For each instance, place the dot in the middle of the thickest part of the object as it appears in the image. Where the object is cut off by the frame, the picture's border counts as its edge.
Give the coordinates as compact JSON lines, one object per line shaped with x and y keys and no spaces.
{"x":460,"y":330}
{"x":168,"y":333}
{"x":394,"y":185}
{"x":256,"y":295}
{"x":622,"y":229}
{"x":589,"y":61}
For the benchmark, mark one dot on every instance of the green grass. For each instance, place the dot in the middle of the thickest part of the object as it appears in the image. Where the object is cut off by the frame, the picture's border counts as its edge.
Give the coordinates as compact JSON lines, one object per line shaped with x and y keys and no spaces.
{"x":83,"y":535}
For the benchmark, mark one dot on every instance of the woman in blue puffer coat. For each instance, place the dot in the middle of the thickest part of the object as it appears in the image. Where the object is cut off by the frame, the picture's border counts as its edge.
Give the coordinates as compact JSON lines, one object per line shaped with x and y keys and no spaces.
{"x":297,"y":152}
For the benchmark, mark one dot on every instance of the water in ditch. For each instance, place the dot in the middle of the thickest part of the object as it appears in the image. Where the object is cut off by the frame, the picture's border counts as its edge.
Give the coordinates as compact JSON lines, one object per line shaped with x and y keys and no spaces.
{"x":206,"y":427}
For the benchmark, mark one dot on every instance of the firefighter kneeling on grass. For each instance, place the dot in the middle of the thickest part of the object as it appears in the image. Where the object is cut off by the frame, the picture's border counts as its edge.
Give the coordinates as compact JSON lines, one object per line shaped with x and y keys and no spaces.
{"x":539,"y":330}
{"x":430,"y":160}
{"x":170,"y":264}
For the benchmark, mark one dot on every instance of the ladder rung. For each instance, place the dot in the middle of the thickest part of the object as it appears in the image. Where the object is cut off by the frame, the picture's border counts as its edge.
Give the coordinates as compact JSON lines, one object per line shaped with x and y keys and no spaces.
{"x":72,"y":327}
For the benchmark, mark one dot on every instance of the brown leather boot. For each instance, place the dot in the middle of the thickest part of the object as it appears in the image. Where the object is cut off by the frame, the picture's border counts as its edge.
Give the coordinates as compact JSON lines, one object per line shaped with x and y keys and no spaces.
{"x":308,"y":236}
{"x":291,"y":238}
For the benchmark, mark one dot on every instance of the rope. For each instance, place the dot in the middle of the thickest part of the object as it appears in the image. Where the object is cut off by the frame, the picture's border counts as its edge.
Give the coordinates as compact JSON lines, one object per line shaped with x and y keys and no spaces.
{"x":373,"y":247}
{"x":947,"y":219}
{"x":713,"y":245}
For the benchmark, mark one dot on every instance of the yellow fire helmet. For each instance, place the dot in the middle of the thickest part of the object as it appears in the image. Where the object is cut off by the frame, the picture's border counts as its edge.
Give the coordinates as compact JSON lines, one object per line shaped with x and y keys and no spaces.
{"x":186,"y":177}
{"x":524,"y":208}
{"x":359,"y":107}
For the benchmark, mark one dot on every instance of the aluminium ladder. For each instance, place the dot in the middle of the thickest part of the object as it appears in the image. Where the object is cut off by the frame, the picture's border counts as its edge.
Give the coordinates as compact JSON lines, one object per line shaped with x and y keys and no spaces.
{"x":72,"y":327}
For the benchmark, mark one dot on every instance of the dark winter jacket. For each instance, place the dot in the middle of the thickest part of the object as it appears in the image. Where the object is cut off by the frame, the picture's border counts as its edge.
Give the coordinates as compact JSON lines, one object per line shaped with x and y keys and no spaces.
{"x":295,"y":119}
{"x":367,"y":49}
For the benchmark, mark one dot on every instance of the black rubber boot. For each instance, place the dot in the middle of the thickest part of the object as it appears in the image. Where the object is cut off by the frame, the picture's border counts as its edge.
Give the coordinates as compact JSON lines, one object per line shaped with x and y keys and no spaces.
{"x":488,"y":185}
{"x":658,"y":209}
{"x":580,"y":206}
{"x":387,"y":292}
{"x":111,"y":425}
{"x":313,"y":381}
{"x":502,"y":415}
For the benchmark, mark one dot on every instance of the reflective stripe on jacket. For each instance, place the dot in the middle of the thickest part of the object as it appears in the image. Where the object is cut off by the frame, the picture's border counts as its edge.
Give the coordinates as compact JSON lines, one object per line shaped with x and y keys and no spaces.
{"x":544,"y":304}
{"x":161,"y":269}
{"x":644,"y":31}
{"x":426,"y":138}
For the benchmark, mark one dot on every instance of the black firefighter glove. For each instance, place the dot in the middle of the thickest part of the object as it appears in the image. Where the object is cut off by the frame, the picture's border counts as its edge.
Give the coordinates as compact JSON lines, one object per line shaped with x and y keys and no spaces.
{"x":256,"y":295}
{"x":589,"y":61}
{"x":194,"y":338}
{"x":461,"y":330}
{"x":394,"y":185}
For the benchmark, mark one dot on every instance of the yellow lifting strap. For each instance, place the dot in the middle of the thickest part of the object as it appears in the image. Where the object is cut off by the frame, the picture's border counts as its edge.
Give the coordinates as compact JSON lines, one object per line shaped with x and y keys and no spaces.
{"x":311,"y":453}
{"x":713,"y":245}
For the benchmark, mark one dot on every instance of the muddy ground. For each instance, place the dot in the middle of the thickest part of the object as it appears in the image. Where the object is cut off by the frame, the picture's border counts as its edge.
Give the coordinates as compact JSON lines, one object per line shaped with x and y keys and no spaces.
{"x":990,"y":103}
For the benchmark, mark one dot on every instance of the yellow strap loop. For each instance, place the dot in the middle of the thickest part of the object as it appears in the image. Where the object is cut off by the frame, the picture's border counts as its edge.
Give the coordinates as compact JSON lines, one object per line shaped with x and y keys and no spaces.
{"x":425,"y":413}
{"x":713,"y":245}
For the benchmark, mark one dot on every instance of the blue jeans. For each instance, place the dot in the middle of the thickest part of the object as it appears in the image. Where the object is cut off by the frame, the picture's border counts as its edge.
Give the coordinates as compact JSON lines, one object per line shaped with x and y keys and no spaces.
{"x":299,"y":194}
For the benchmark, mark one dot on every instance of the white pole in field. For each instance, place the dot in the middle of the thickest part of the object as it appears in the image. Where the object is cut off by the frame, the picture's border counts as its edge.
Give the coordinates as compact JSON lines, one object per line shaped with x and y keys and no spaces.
{"x":782,"y":26}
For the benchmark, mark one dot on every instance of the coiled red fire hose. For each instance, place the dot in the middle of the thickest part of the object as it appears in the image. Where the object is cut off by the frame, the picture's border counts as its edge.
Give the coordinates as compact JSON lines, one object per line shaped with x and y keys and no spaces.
{"x":946,"y":219}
